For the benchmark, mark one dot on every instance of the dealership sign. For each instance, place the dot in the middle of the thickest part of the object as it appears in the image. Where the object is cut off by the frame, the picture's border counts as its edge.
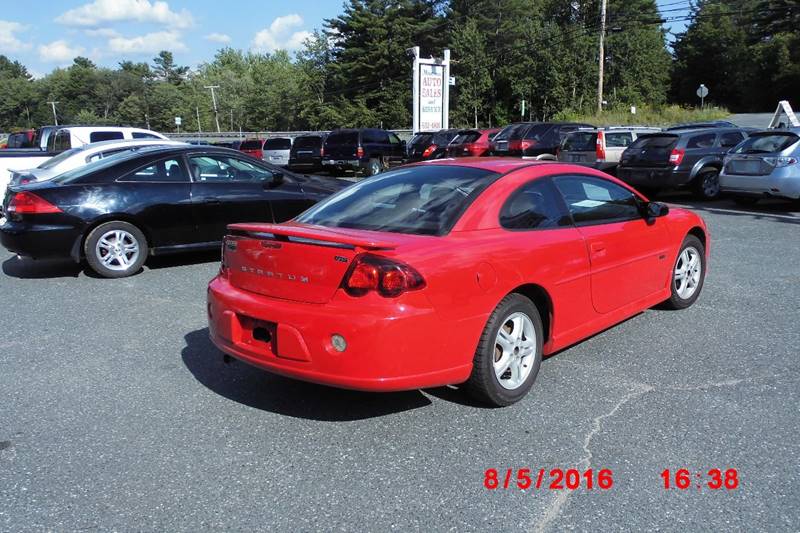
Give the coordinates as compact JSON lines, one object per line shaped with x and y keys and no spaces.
{"x":431,"y":92}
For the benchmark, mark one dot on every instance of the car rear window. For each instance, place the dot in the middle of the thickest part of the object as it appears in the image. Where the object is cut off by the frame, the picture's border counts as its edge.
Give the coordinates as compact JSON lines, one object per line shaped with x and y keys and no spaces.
{"x":444,"y":137}
{"x":312,"y":141}
{"x":342,"y":138}
{"x":766,"y":143}
{"x":506,"y":133}
{"x":254,"y":144}
{"x":580,"y":141}
{"x":424,"y":200}
{"x":618,"y":139}
{"x":279,"y":143}
{"x":464,"y":137}
{"x":654,"y":141}
{"x":421,"y":139}
{"x":97,"y":136}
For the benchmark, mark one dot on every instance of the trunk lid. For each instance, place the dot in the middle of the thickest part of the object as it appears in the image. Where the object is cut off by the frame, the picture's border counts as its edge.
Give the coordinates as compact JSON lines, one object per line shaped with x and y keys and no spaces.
{"x":650,"y":151}
{"x":748,"y":165}
{"x":294,"y":262}
{"x":342,"y":145}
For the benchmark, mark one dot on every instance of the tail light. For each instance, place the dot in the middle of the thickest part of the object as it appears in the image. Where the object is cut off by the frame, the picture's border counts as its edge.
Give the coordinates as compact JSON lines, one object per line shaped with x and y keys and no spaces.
{"x":676,"y":157}
{"x":27,"y":203}
{"x":429,"y":150}
{"x":600,"y":148}
{"x":474,"y":149}
{"x":360,"y":152}
{"x":515,"y":145}
{"x":780,"y":161}
{"x":387,"y":277}
{"x":525,"y":144}
{"x":322,"y":151}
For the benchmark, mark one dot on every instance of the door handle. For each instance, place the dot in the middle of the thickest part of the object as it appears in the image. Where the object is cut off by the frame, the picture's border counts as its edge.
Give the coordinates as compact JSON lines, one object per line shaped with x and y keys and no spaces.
{"x":598,"y":249}
{"x":211,"y":200}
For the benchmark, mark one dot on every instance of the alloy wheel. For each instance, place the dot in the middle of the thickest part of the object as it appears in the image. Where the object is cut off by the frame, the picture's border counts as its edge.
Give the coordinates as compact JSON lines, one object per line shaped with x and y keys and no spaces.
{"x":117,"y":250}
{"x":688,"y":271}
{"x":711,"y":185}
{"x":514,"y":351}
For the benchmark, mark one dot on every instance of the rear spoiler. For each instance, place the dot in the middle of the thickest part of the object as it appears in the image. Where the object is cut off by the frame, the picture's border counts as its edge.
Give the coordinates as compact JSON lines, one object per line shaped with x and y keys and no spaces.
{"x":309,"y":234}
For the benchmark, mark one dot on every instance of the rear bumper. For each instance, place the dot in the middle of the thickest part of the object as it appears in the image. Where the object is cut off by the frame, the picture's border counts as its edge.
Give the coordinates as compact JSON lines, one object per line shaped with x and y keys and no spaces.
{"x":390,"y":345}
{"x":653,"y":177}
{"x":39,"y":240}
{"x":782,"y":183}
{"x":344,"y":164}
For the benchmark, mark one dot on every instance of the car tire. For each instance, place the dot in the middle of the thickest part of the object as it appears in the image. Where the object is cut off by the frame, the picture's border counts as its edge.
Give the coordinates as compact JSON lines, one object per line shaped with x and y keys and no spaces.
{"x":706,"y":184}
{"x":686,"y":281}
{"x":505,"y":367}
{"x":745,"y":201}
{"x":374,"y":167}
{"x":115,"y":249}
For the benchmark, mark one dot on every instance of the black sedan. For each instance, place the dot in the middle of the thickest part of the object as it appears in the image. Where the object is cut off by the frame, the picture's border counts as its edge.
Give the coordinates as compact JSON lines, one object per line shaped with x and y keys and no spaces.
{"x":116,"y":211}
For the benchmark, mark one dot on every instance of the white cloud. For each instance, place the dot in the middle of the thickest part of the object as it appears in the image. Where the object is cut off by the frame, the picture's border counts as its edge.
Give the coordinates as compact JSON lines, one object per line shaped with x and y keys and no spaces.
{"x":149,"y":43}
{"x":108,"y":33}
{"x":218,"y":38}
{"x":9,"y":42}
{"x":104,"y":11}
{"x":59,"y":52}
{"x":280,"y":35}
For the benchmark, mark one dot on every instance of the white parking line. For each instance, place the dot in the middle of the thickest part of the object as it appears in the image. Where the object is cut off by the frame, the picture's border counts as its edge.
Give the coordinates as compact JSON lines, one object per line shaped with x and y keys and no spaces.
{"x":792,"y":215}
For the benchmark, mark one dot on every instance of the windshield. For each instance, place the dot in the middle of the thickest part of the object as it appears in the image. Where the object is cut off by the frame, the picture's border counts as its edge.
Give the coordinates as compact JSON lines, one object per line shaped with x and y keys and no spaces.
{"x":766,"y":143}
{"x":63,"y":156}
{"x":581,"y":141}
{"x":424,"y":200}
{"x":278,"y":144}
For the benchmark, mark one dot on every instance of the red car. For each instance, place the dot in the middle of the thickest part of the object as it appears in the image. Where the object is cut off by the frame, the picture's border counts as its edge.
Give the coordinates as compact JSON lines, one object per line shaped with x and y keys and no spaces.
{"x":471,"y":143}
{"x":253,"y":147}
{"x":451,"y":272}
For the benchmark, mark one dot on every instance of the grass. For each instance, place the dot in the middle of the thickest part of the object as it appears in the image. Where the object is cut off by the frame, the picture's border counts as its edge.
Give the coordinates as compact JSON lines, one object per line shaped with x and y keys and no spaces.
{"x":646,"y":116}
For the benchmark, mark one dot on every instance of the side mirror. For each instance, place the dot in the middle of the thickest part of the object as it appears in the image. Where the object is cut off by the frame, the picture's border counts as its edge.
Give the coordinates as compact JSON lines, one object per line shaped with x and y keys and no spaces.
{"x":403,"y":144}
{"x":656,"y":210}
{"x":277,"y":178}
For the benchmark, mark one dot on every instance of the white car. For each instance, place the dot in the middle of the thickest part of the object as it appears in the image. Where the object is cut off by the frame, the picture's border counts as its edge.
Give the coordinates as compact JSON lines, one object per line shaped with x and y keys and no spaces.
{"x":77,"y":157}
{"x":276,"y":150}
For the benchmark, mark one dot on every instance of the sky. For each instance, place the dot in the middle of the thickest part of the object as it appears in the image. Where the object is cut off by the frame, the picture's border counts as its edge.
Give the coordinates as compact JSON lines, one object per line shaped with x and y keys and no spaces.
{"x":109,"y":31}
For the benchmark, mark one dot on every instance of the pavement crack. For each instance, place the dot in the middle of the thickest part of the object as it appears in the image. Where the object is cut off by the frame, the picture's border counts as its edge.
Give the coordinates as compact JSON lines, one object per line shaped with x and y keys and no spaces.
{"x":562,"y":497}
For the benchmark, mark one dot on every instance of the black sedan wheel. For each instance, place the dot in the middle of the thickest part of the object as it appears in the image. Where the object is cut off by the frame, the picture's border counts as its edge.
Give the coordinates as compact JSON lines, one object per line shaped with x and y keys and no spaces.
{"x":707,"y":184}
{"x":115,"y":249}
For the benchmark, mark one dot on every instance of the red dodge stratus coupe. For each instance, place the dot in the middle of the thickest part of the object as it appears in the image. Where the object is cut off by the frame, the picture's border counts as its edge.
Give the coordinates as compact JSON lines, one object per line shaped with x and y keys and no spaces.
{"x":451,"y":272}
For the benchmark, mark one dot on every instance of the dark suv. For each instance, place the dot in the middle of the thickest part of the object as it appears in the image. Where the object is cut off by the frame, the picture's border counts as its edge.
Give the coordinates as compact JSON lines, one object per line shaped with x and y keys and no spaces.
{"x":367,"y":149}
{"x":534,"y":140}
{"x":672,"y":159}
{"x":429,"y":144}
{"x":306,"y":153}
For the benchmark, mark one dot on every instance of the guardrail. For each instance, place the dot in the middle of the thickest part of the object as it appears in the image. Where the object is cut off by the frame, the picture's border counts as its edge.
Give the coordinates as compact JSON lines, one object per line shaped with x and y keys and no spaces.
{"x":237,"y":135}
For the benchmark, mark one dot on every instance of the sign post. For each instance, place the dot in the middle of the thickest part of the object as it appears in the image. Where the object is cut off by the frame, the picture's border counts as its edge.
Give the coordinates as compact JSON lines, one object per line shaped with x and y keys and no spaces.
{"x":702,"y":92}
{"x":178,"y":121}
{"x":431,"y":92}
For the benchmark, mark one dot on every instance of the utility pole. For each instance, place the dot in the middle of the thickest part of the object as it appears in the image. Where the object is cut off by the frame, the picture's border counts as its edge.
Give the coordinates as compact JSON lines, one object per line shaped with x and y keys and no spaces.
{"x":214,"y":101}
{"x":602,"y":56}
{"x":197,"y":114}
{"x":55,"y":117}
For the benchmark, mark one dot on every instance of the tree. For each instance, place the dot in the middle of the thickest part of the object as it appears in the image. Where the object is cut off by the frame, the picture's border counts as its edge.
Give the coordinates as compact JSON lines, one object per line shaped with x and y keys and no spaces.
{"x":165,"y":69}
{"x":472,"y":73}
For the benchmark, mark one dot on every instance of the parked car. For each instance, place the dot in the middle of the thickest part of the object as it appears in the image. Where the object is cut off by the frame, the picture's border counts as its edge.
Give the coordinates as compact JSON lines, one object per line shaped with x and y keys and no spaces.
{"x":534,"y":140}
{"x":253,"y":148}
{"x":599,"y":148}
{"x":367,"y":289}
{"x":21,"y":139}
{"x":471,"y":143}
{"x":367,"y":149}
{"x":117,"y":211}
{"x":681,"y":158}
{"x":766,"y":164}
{"x":698,"y":125}
{"x":77,"y":157}
{"x":306,"y":153}
{"x":276,"y":150}
{"x":234,"y":145}
{"x":429,"y":145}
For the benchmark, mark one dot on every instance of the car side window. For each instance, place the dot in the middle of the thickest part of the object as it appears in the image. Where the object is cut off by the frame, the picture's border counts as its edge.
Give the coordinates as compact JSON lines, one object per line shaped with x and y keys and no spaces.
{"x":535,"y":205}
{"x":592,"y":200}
{"x":143,"y":135}
{"x":394,"y":139}
{"x":618,"y":139}
{"x":705,"y":140}
{"x":730,"y":139}
{"x":225,"y":169}
{"x":97,"y":136}
{"x":166,"y":170}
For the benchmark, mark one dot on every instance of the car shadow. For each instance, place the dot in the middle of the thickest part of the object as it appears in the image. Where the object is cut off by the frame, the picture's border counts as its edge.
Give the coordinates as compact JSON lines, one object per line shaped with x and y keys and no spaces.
{"x":156,"y":262}
{"x":775,"y":209}
{"x":27,"y":268}
{"x":251,"y":386}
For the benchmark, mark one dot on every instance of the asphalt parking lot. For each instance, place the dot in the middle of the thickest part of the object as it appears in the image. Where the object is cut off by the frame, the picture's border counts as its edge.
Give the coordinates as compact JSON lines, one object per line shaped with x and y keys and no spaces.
{"x":116,"y":413}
